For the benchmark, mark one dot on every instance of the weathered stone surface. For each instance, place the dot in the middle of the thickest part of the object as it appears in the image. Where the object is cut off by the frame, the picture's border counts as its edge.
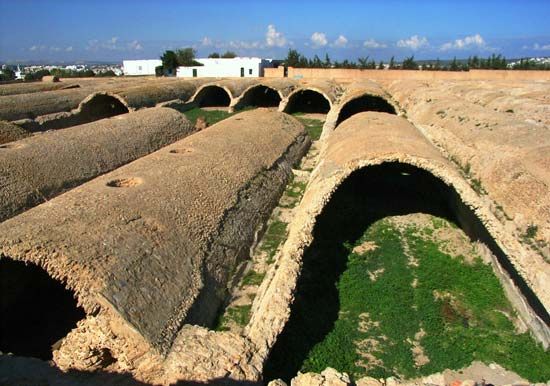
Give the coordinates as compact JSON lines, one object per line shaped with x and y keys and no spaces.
{"x":277,"y":382}
{"x":368,"y":381}
{"x":476,"y":374}
{"x":27,"y":88}
{"x":155,"y":241}
{"x":38,"y":168}
{"x":10,"y":132}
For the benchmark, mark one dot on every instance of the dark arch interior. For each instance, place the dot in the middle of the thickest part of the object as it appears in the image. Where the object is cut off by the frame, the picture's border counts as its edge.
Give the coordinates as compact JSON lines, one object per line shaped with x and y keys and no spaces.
{"x":36,"y":310}
{"x":259,"y":96}
{"x":212,"y":96}
{"x":366,"y":196}
{"x":364,"y":103}
{"x":308,"y":101}
{"x":100,"y":106}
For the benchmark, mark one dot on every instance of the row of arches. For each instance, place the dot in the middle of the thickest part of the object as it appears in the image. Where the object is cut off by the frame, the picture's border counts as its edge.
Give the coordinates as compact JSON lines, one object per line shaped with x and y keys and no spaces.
{"x":304,"y":100}
{"x":307,"y":101}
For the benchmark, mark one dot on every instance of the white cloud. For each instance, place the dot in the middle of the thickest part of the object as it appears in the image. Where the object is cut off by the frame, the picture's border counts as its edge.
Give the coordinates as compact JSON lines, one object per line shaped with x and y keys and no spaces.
{"x":415,"y":42}
{"x":319,"y":39}
{"x":371,"y":43}
{"x":274,"y":38}
{"x":135,"y":45}
{"x":240,"y":44}
{"x":473,"y":41}
{"x":538,"y":47}
{"x":69,"y":49}
{"x":112,"y":44}
{"x":55,"y":49}
{"x":340,"y":42}
{"x":38,"y":48}
{"x":206,"y":41}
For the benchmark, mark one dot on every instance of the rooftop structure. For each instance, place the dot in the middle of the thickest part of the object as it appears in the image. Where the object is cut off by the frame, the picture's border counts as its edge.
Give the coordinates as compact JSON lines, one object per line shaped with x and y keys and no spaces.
{"x":226,"y":67}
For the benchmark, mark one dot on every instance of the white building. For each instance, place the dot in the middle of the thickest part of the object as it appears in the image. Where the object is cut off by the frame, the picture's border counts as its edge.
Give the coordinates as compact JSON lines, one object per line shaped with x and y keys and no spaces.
{"x":140,"y":67}
{"x":221,"y":67}
{"x":19,"y":74}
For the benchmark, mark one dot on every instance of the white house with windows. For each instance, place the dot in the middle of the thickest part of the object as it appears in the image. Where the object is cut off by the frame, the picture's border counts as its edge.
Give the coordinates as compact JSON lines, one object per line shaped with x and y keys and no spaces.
{"x":222,"y":67}
{"x":140,"y":67}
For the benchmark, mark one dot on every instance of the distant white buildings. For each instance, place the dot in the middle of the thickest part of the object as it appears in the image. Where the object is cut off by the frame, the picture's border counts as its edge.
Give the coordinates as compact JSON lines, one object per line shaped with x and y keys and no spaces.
{"x":140,"y":67}
{"x":222,"y":67}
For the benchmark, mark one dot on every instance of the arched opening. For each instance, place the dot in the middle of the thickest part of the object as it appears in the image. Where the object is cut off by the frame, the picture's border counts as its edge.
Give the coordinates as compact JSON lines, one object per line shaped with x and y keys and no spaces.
{"x":364,"y":103}
{"x":307,"y":101}
{"x":37,"y":311}
{"x":365,"y":197}
{"x":259,"y":96}
{"x":212,"y":96}
{"x":101,"y":106}
{"x":98,"y":106}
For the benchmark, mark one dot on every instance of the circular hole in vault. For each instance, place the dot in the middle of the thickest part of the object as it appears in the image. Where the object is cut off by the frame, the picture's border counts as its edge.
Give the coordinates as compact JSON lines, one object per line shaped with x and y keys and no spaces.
{"x":9,"y":146}
{"x":125,"y":182}
{"x":181,"y":151}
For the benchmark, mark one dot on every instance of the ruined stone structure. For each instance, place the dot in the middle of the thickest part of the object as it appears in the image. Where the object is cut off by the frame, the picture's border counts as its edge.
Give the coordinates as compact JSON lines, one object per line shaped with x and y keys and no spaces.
{"x":38,"y":168}
{"x":64,"y":108}
{"x":132,"y":229}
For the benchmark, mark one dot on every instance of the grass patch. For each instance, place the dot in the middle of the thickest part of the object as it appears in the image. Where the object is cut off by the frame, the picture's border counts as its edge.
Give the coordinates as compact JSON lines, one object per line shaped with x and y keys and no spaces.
{"x":294,"y":192}
{"x":237,"y":314}
{"x":274,"y":236}
{"x":211,"y":116}
{"x":459,"y":306}
{"x":314,"y":127}
{"x":252,"y":278}
{"x":531,"y":231}
{"x":462,"y":327}
{"x":296,"y":189}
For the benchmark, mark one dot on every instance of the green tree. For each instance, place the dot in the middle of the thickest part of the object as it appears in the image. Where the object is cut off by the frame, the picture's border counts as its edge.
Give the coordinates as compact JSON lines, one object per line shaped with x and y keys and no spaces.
{"x":7,"y":74}
{"x":475,"y":62}
{"x":410,"y":64}
{"x":392,"y":63}
{"x":454,"y":65}
{"x":363,"y":62}
{"x":381,"y":65}
{"x":169,"y":61}
{"x":316,"y":62}
{"x":303,"y":62}
{"x":229,"y":55}
{"x":293,"y":58}
{"x":214,"y":55}
{"x":36,"y":75}
{"x":186,"y":57}
{"x":108,"y":73}
{"x":327,"y":62}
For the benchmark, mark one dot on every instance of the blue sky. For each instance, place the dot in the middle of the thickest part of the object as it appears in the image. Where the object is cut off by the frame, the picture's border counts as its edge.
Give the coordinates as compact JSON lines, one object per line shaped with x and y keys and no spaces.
{"x":61,"y":30}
